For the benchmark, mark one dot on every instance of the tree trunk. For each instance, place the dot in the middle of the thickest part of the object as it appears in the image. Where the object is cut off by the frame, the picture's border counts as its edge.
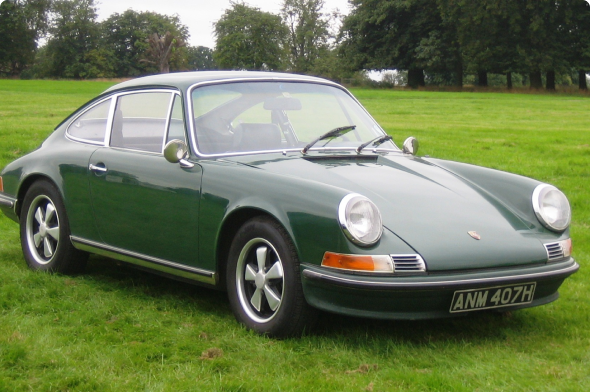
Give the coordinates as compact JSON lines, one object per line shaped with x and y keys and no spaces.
{"x":459,"y":74}
{"x":582,"y":82}
{"x":509,"y":80}
{"x":550,"y":85}
{"x":415,"y":77}
{"x":482,"y":79}
{"x":536,"y":80}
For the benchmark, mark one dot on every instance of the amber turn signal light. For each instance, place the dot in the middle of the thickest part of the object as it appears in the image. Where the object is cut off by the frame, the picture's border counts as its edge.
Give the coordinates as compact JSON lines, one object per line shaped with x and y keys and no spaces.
{"x":361,"y":263}
{"x":1,"y":185}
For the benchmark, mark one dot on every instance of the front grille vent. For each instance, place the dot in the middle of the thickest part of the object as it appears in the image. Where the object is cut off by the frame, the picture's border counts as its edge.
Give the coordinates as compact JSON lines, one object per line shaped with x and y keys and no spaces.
{"x":408,"y":264}
{"x":554,"y":251}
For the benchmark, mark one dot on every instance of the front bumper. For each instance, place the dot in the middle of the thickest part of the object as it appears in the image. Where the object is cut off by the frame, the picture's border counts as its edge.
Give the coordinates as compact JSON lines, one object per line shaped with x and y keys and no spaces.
{"x":421,"y":297}
{"x":8,"y":206}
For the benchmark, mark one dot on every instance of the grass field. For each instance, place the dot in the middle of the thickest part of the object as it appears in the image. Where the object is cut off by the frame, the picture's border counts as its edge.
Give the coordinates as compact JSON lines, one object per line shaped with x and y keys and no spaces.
{"x":117,"y":329}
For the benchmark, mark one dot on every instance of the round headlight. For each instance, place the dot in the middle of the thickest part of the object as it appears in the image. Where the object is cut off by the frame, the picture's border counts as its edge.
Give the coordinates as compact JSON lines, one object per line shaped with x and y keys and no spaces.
{"x":551,"y":207}
{"x":360,"y":219}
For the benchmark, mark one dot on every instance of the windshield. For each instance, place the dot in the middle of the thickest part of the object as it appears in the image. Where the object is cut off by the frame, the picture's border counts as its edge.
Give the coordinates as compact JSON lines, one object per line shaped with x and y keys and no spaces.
{"x":263,"y":116}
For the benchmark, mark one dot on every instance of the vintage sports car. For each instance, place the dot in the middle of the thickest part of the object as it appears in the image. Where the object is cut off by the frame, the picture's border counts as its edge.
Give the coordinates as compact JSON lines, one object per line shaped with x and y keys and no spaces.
{"x":282,"y":190}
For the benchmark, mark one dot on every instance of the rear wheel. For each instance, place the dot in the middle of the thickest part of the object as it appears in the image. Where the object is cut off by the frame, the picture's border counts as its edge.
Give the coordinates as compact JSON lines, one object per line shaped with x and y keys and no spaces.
{"x":263,"y":282}
{"x":45,"y":232}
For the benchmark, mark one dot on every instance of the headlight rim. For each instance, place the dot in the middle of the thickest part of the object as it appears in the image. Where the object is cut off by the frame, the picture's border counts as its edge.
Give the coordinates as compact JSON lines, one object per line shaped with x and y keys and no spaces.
{"x":538,"y":212}
{"x":343,"y":221}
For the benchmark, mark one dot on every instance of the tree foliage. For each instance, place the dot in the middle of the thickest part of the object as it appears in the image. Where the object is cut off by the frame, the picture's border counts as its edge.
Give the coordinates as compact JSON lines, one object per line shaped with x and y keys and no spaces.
{"x":17,"y":43}
{"x":200,"y":58}
{"x":127,"y":36}
{"x":72,"y":49}
{"x":308,"y":38}
{"x":394,"y":34}
{"x":433,"y":41}
{"x":578,"y":46}
{"x":446,"y":38}
{"x":250,"y":39}
{"x":22,"y":23}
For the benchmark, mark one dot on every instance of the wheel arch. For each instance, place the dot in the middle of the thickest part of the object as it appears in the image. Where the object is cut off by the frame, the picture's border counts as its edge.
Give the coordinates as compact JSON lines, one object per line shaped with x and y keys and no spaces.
{"x":230,"y":226}
{"x":26,"y":185}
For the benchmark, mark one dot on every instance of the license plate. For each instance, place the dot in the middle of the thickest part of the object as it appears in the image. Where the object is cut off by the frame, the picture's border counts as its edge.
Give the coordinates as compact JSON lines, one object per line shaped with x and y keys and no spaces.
{"x":492,"y":297}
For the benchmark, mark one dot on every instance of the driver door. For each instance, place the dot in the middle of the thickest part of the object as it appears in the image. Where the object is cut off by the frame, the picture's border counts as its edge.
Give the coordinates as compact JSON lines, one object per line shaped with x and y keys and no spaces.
{"x":142,"y":203}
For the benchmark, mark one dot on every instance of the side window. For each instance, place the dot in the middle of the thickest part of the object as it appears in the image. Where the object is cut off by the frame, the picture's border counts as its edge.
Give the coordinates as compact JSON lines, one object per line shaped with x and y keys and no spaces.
{"x":140,"y":121}
{"x":92,"y":125}
{"x":176,"y":128}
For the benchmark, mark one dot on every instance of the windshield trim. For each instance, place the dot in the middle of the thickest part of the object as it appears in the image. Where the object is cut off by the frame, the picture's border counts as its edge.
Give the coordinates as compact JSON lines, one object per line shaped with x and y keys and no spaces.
{"x":191,"y":117}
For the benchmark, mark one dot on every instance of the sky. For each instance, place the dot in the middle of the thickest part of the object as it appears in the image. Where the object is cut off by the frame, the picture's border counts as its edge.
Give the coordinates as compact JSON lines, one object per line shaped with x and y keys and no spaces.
{"x":198,"y":15}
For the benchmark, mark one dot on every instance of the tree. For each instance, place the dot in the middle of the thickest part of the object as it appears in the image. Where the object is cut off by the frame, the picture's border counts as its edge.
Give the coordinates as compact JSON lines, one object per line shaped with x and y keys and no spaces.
{"x":488,"y":34}
{"x":161,"y":49}
{"x":200,"y":58}
{"x":127,"y":36}
{"x":250,"y":39}
{"x":17,"y":42}
{"x":72,"y":49}
{"x":308,"y":38}
{"x":22,"y":23}
{"x":397,"y":34}
{"x":544,"y":28}
{"x":578,"y":43}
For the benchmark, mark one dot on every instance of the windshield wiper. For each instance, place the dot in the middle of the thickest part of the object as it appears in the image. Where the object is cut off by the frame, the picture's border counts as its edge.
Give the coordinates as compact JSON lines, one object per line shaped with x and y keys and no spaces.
{"x":376,"y":142}
{"x":336,"y":132}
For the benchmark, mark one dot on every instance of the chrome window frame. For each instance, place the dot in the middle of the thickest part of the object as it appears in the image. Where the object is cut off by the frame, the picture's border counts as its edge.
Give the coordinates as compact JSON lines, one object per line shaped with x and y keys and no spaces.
{"x":191,"y":118}
{"x":116,"y":97}
{"x":111,"y":116}
{"x":108,"y":124}
{"x":169,"y":121}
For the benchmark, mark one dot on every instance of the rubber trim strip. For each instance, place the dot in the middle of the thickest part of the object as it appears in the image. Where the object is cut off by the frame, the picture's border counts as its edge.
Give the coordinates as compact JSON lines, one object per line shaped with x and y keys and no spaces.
{"x":381,"y":285}
{"x":145,"y":260}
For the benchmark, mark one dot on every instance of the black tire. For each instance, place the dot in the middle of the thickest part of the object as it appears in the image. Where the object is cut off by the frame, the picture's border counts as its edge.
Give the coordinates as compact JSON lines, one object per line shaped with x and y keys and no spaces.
{"x":45,"y":232}
{"x":269,"y":300}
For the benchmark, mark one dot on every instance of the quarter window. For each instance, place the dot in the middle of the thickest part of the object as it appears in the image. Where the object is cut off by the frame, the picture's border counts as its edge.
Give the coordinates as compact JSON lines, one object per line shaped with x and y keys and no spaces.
{"x":91,"y":125}
{"x":176,"y":128}
{"x":140,"y":121}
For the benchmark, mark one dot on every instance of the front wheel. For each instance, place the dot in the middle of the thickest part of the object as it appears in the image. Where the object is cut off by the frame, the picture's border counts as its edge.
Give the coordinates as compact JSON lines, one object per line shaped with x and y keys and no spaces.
{"x":263,"y":282}
{"x":45,"y":232}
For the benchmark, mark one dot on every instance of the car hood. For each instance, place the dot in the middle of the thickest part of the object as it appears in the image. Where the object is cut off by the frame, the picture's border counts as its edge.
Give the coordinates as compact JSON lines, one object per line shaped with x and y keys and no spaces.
{"x":430,"y":208}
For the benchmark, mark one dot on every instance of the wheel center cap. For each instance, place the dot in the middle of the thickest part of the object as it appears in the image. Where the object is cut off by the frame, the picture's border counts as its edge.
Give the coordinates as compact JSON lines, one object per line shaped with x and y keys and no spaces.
{"x":260,"y":280}
{"x":42,"y":230}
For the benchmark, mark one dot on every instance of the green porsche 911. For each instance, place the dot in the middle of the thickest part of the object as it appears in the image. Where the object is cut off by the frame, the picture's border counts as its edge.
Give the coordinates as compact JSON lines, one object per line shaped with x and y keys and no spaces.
{"x":282,"y":190}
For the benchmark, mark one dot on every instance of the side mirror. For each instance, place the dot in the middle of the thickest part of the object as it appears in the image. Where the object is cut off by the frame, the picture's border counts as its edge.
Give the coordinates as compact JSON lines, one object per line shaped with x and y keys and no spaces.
{"x":177,"y":151}
{"x":411,"y":146}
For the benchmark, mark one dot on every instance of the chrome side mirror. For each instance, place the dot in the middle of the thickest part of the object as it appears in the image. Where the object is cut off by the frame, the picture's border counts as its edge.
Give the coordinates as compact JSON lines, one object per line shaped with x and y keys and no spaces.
{"x":411,"y":146}
{"x":177,"y":151}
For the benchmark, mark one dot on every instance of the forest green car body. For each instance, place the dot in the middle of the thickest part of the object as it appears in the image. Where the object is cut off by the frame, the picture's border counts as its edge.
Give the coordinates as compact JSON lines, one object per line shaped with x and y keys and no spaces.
{"x":180,"y":221}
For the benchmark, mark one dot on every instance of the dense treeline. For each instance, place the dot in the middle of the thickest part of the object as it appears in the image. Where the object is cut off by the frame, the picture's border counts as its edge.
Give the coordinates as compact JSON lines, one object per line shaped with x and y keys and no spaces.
{"x":444,"y":39}
{"x":541,"y":43}
{"x":77,"y":46}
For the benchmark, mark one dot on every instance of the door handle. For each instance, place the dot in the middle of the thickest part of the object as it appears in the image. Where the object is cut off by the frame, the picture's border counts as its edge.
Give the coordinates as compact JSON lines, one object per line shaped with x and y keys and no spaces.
{"x":98,"y":169}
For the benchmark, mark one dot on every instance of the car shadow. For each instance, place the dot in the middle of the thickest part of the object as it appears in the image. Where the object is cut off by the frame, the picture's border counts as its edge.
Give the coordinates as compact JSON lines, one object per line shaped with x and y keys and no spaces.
{"x":108,"y":274}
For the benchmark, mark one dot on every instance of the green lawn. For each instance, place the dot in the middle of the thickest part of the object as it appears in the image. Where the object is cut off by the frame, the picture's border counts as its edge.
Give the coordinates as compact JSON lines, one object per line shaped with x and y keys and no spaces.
{"x":116,"y":328}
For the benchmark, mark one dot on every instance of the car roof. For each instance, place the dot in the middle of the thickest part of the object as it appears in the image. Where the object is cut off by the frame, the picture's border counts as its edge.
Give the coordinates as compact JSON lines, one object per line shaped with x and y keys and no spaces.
{"x":184,"y":80}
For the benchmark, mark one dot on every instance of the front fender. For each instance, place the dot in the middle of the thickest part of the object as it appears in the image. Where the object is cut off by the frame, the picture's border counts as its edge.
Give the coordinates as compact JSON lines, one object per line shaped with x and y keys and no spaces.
{"x":306,"y":209}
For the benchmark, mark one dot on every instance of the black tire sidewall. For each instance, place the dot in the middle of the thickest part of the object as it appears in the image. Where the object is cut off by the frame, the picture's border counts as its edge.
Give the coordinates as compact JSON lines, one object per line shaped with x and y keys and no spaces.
{"x":292,"y":302}
{"x":59,"y":263}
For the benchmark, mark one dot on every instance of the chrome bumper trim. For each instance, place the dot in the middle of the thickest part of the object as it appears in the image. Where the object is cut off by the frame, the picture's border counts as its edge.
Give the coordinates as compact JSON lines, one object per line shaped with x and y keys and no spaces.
{"x":7,"y":201}
{"x":146,"y":261}
{"x":428,"y":284}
